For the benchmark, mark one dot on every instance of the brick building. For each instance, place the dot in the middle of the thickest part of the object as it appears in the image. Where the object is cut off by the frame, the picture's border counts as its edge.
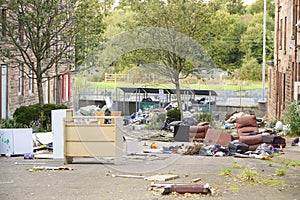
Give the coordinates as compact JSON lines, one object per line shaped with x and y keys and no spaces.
{"x":284,"y":75}
{"x":18,"y":84}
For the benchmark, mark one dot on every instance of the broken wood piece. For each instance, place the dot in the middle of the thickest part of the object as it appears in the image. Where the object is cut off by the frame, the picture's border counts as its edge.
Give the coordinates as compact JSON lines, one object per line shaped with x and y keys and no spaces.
{"x":187,"y":188}
{"x":127,"y":176}
{"x":160,"y":184}
{"x":43,"y":156}
{"x":29,"y":163}
{"x":50,"y":168}
{"x":196,"y":180}
{"x":162,"y":177}
{"x":7,"y":182}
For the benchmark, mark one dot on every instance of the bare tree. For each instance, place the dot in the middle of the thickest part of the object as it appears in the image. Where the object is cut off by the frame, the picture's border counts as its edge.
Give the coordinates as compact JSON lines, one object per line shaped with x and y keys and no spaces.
{"x":38,"y":35}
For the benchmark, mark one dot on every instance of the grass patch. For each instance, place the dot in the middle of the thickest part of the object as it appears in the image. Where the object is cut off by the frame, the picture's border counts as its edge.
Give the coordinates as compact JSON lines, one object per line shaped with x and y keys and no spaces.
{"x":229,"y":85}
{"x":280,"y":172}
{"x":235,"y":165}
{"x":226,"y":172}
{"x":272,"y":182}
{"x":249,"y":175}
{"x":294,"y":163}
{"x":234,"y":188}
{"x":253,"y":177}
{"x":286,"y":162}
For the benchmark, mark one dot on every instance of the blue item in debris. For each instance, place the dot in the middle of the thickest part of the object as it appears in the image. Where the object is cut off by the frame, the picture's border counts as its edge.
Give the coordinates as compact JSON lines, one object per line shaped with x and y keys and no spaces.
{"x":226,"y":126}
{"x":28,"y":156}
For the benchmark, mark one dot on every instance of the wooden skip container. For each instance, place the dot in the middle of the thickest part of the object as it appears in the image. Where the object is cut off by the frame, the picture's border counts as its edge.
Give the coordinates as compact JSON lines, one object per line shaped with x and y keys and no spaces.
{"x":86,"y":136}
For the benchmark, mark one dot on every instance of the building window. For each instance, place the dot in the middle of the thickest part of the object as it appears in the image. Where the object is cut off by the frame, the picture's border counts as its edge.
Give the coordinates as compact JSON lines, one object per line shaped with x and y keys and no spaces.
{"x":270,"y":83}
{"x":46,"y":91}
{"x":3,"y":21}
{"x":294,"y":18}
{"x":21,"y":80}
{"x":280,"y":34}
{"x":284,"y":90}
{"x":298,"y":72}
{"x":49,"y":90}
{"x":284,"y":36}
{"x":30,"y":83}
{"x":3,"y":91}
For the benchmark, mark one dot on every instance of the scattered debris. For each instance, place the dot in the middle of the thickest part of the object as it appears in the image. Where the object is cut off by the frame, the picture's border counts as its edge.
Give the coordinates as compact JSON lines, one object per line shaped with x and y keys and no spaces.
{"x":296,"y":142}
{"x":196,"y":180}
{"x":28,"y":156}
{"x":160,"y":150}
{"x":193,"y":149}
{"x":154,"y":145}
{"x":6,"y":182}
{"x":61,"y":168}
{"x":43,"y":156}
{"x":128,"y":176}
{"x":162,"y":177}
{"x":29,"y":163}
{"x":183,"y":188}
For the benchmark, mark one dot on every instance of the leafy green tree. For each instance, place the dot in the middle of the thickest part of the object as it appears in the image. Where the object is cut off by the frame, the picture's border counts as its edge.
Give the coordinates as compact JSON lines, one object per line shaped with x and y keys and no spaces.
{"x":231,"y":6}
{"x":119,"y":21}
{"x":177,"y":16}
{"x":250,"y":69}
{"x":252,"y":39}
{"x":235,"y":7}
{"x":291,"y":116}
{"x":90,"y":26}
{"x":224,"y":40}
{"x":258,"y":7}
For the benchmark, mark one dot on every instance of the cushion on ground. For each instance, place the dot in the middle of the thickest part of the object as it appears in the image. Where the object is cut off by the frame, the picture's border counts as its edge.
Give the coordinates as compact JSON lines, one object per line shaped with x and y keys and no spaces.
{"x":246,"y":121}
{"x":246,"y":130}
{"x":217,"y":137}
{"x":253,"y":147}
{"x":251,"y":139}
{"x":198,"y":131}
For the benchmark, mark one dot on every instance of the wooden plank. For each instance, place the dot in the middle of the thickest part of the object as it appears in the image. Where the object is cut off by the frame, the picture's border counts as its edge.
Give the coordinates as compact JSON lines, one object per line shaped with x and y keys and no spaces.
{"x":91,"y":133}
{"x":162,"y":177}
{"x":90,"y":149}
{"x":128,"y":176}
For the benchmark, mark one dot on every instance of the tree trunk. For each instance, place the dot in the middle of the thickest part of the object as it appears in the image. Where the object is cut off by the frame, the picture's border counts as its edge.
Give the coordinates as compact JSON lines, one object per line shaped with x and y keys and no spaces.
{"x":58,"y":96}
{"x":39,"y":82}
{"x":178,"y":95}
{"x":40,"y":91}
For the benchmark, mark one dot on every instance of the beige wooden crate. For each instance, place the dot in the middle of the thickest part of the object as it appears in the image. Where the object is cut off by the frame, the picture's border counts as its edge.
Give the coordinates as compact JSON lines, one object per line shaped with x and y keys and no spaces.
{"x":85,"y":136}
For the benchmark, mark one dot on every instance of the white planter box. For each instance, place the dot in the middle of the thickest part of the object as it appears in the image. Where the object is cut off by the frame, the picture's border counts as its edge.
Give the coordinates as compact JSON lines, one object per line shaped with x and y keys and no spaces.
{"x":16,"y":141}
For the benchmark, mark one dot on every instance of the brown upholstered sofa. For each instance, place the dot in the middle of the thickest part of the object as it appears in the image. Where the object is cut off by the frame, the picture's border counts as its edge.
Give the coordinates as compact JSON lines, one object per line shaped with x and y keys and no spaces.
{"x":199,"y":131}
{"x":247,"y":131}
{"x":246,"y":125}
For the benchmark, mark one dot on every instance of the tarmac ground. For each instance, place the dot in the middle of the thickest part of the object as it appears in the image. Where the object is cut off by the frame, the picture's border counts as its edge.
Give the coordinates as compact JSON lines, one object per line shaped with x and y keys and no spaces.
{"x":90,"y":178}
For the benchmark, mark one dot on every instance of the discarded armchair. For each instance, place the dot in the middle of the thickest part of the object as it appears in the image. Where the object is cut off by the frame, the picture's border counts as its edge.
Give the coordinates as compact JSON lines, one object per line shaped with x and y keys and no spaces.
{"x":247,"y":130}
{"x":199,"y":131}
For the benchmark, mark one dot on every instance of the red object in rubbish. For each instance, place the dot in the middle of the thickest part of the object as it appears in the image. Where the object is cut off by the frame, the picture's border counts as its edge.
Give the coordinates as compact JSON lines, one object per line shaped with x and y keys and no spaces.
{"x":187,"y":188}
{"x":154,"y":145}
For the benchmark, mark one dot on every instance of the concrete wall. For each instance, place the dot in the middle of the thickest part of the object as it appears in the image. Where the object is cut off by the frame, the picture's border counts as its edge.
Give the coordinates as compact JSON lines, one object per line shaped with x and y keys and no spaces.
{"x":260,"y":110}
